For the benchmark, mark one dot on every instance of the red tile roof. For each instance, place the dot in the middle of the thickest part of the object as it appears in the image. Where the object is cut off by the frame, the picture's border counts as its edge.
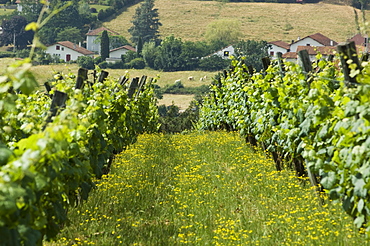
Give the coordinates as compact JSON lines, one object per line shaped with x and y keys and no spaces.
{"x":312,"y":50}
{"x":127,"y":47}
{"x":322,"y":39}
{"x":97,"y":31}
{"x":281,"y":44}
{"x":75,"y":47}
{"x":290,"y":55}
{"x":358,"y":39}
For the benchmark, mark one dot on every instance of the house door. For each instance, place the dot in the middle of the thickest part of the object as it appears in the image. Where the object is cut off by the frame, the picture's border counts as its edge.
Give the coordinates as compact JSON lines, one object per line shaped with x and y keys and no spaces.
{"x":68,"y":57}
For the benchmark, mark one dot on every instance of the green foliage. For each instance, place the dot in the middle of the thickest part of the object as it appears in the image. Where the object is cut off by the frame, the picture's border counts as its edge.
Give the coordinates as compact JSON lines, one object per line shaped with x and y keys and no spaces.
{"x":72,"y":34}
{"x":49,"y":166}
{"x":137,"y":63}
{"x":145,"y":23}
{"x":149,"y":53}
{"x":169,"y":53}
{"x":213,"y":63}
{"x":173,"y":121}
{"x":104,"y":45}
{"x":14,"y":32}
{"x":252,"y":52}
{"x":315,"y":119}
{"x":223,"y":32}
{"x":86,"y":62}
{"x":67,"y":18}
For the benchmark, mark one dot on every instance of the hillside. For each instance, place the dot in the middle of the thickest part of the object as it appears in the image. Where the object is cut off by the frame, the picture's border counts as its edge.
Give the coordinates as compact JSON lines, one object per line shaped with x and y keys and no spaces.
{"x":260,"y":21}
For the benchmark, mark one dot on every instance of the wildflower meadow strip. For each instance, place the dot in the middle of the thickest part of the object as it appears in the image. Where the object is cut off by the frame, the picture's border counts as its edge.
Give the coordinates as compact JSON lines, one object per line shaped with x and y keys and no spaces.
{"x":204,"y":189}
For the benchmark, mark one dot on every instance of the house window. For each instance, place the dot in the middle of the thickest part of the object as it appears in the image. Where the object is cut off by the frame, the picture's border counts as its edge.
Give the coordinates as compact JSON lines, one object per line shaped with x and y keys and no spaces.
{"x":62,"y":48}
{"x":308,"y":45}
{"x":58,"y":47}
{"x":272,"y":53}
{"x":68,"y":57}
{"x":226,"y":53}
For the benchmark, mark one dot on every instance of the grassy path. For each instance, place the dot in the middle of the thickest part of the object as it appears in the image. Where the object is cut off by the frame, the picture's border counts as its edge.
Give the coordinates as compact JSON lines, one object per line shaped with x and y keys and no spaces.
{"x":203,"y":189}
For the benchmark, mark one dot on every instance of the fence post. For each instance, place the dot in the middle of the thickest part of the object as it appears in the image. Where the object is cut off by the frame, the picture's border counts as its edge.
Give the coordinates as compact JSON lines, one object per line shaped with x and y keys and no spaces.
{"x":132,"y":87}
{"x":59,"y":100}
{"x":348,"y":56}
{"x":280,"y":63}
{"x":141,"y":85}
{"x":304,"y":61}
{"x":81,"y":77}
{"x":122,"y":80}
{"x":103,"y":76}
{"x":266,"y":63}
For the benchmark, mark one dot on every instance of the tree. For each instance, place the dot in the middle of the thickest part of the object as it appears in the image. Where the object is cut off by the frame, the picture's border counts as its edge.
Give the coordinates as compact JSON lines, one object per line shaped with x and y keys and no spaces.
{"x":65,"y":19}
{"x":221,"y":33}
{"x":104,"y":45}
{"x":192,"y":52}
{"x":70,"y":34}
{"x":170,"y":53}
{"x":139,"y":46}
{"x":14,"y":32}
{"x":252,"y":51}
{"x":30,"y":10}
{"x":145,"y":23}
{"x":150,"y":54}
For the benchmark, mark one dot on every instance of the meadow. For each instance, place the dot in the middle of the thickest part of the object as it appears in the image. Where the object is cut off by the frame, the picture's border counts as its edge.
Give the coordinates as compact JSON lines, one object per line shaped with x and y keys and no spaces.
{"x":45,"y":73}
{"x":204,"y":188}
{"x":188,"y":19}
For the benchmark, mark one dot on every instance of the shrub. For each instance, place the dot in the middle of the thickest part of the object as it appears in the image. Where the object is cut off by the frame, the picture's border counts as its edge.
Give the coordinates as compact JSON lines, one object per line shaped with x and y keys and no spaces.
{"x":213,"y":63}
{"x":103,"y":64}
{"x":116,"y":65}
{"x":137,"y":63}
{"x":86,"y":62}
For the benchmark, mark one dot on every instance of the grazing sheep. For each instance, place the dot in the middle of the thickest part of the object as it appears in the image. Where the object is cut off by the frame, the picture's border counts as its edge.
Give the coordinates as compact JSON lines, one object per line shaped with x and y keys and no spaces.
{"x":201,"y":79}
{"x":191,"y":78}
{"x":178,"y":81}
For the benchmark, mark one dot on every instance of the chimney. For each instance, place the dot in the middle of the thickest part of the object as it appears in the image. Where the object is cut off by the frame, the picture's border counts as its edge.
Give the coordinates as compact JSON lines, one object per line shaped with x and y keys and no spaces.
{"x":74,"y":46}
{"x":331,"y":43}
{"x":79,"y":44}
{"x":299,"y":38}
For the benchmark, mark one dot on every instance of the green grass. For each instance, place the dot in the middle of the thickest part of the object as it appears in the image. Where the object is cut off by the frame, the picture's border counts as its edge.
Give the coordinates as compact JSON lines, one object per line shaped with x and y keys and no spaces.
{"x":204,"y":189}
{"x":98,"y":8}
{"x":188,"y":19}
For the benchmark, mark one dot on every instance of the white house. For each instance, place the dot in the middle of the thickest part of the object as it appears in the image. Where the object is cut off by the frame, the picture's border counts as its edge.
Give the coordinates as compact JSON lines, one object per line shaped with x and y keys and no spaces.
{"x":225,"y":52}
{"x":20,"y":5}
{"x":115,"y":54}
{"x":92,"y":43}
{"x":67,"y":51}
{"x":278,"y":46}
{"x":313,"y":40}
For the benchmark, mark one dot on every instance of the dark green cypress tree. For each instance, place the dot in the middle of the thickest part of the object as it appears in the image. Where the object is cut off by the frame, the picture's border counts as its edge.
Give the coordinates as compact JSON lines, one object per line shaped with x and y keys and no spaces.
{"x":145,"y":23}
{"x":139,"y":47}
{"x":104,"y":45}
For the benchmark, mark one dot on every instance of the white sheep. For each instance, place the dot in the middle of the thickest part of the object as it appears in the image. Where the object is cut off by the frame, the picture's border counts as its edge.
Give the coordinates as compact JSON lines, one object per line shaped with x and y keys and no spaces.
{"x":191,"y":78}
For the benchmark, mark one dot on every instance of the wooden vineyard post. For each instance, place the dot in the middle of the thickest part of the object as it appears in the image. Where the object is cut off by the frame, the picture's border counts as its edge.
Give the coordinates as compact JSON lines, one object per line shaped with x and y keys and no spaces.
{"x":81,"y":77}
{"x":141,"y":85}
{"x":58,"y":102}
{"x":266,"y":63}
{"x":123,"y":80}
{"x":280,"y":63}
{"x":132,"y":87}
{"x":103,"y":76}
{"x":48,"y":89}
{"x":304,"y":61}
{"x":348,"y":56}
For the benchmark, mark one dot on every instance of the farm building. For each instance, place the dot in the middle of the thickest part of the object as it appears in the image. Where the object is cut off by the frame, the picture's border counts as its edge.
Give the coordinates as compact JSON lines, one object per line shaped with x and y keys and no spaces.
{"x":67,"y":51}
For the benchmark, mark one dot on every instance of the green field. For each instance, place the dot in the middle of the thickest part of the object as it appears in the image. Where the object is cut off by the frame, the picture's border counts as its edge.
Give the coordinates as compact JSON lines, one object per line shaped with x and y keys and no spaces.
{"x":204,"y":189}
{"x":188,"y":19}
